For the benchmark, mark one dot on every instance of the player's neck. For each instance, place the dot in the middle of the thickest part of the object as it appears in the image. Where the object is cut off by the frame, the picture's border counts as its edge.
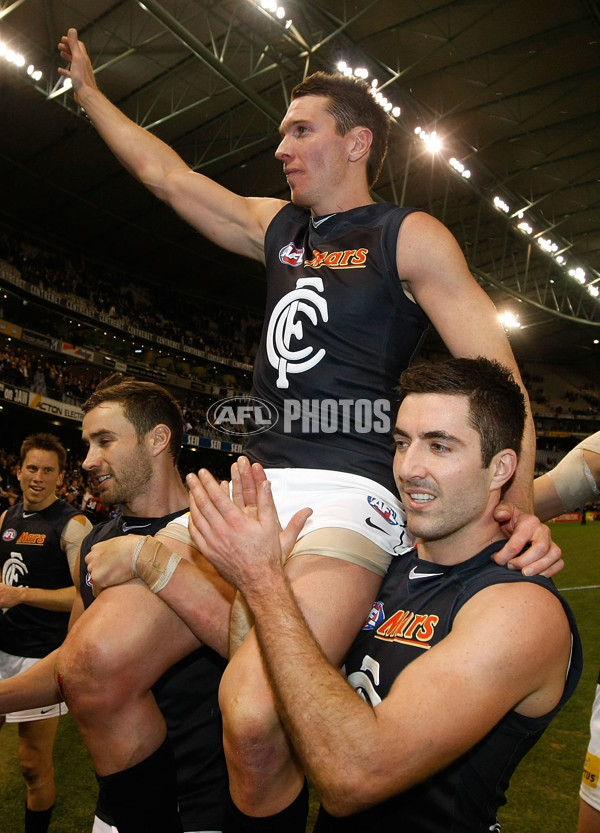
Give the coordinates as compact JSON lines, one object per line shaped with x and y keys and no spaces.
{"x":162,"y":496}
{"x":38,"y":507}
{"x":342,"y":200}
{"x":462,"y":544}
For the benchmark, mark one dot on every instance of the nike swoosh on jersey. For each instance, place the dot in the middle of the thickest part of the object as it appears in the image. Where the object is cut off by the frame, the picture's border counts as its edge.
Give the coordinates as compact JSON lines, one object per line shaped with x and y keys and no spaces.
{"x":414,"y":574}
{"x":317,"y":223}
{"x":129,"y":527}
{"x":29,"y":514}
{"x":370,"y":523}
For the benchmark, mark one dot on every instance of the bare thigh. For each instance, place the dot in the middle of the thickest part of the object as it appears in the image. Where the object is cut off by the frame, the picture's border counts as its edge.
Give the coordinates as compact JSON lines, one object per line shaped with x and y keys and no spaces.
{"x":129,"y":635}
{"x":335,"y":597}
{"x":36,"y":742}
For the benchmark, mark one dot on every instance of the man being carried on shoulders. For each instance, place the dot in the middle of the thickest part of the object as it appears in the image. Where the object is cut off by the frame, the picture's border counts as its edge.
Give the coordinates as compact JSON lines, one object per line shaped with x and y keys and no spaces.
{"x":461,"y":664}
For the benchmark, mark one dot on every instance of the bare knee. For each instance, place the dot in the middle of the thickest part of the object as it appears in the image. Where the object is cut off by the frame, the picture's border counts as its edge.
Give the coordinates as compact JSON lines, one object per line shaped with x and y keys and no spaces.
{"x":90,"y":675}
{"x":37,"y":773}
{"x":251,"y":727}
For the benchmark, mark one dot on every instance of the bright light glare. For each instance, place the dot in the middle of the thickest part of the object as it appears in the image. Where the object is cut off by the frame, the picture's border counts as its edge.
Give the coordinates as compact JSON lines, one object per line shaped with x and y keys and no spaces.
{"x":12,"y":57}
{"x":277,"y":11}
{"x":363,"y":73}
{"x":460,"y":168}
{"x":578,"y":274}
{"x":509,"y":321}
{"x":547,"y":245}
{"x":432,"y":141}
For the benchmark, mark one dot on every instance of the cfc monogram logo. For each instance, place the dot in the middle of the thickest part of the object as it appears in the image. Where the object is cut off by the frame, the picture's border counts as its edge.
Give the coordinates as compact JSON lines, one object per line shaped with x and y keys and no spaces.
{"x":14,"y":568}
{"x":286,"y":330}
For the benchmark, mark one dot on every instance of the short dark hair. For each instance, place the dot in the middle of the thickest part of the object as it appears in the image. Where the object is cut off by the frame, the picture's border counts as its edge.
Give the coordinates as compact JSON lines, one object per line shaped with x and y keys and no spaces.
{"x":145,"y":404}
{"x":44,"y":442}
{"x":352,"y":105}
{"x":496,"y":402}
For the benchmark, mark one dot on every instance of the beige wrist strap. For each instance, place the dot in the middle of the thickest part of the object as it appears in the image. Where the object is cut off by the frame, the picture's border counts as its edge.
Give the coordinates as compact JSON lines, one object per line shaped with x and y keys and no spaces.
{"x":153,"y":563}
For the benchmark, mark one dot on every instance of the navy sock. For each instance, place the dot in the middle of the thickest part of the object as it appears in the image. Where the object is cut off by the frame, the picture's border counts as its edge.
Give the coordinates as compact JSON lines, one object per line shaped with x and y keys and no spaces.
{"x":143,"y":798}
{"x":37,"y":821}
{"x":291,"y":820}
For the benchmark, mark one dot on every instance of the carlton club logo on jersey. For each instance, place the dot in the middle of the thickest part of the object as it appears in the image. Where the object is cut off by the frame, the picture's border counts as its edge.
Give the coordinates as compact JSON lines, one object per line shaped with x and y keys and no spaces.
{"x":9,"y":534}
{"x":288,"y":347}
{"x":13,"y":569}
{"x":408,"y":628}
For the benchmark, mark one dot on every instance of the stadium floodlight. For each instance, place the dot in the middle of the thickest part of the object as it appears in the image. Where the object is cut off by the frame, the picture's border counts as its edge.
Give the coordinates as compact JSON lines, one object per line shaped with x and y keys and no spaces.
{"x":509,"y":320}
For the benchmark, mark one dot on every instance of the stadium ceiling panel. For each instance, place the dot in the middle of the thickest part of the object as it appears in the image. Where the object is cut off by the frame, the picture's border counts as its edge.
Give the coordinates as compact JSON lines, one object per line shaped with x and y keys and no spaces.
{"x":508,"y":89}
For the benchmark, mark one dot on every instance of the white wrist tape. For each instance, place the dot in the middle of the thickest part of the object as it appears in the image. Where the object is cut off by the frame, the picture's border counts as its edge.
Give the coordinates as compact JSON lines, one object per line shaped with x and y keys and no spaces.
{"x":573,"y":480}
{"x":159,"y":578}
{"x":134,"y":555}
{"x":166,"y":577}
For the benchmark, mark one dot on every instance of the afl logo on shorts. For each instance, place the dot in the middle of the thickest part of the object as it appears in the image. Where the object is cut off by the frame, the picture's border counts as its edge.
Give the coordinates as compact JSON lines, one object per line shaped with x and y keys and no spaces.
{"x":9,"y":534}
{"x":375,"y":617}
{"x":387,"y":513}
{"x":291,"y":255}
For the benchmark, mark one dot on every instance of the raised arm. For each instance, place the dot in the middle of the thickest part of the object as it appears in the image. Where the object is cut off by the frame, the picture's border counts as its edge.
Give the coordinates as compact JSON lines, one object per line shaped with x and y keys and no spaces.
{"x":434,"y":271}
{"x":233,"y":222}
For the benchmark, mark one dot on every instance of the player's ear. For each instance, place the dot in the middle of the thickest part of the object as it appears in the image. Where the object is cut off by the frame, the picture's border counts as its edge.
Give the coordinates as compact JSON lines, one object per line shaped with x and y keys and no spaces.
{"x":161,"y":437}
{"x":503,"y":467}
{"x":361,"y":140}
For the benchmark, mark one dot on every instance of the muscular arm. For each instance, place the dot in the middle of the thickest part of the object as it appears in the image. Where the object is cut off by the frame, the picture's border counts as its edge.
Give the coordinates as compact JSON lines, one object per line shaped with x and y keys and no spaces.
{"x":196,"y":592}
{"x":433,"y":269}
{"x":572,"y":483}
{"x":458,"y":690}
{"x":233,"y":222}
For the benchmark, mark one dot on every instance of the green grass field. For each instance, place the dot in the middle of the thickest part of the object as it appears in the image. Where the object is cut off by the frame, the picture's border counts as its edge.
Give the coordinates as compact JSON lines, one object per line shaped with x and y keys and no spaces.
{"x":544,"y":790}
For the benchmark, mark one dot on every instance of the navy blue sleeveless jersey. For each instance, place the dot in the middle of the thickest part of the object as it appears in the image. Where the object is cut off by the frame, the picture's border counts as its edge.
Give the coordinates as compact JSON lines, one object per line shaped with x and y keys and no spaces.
{"x":338,"y":332}
{"x":415,"y":610}
{"x":31,"y":555}
{"x":187,"y":696}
